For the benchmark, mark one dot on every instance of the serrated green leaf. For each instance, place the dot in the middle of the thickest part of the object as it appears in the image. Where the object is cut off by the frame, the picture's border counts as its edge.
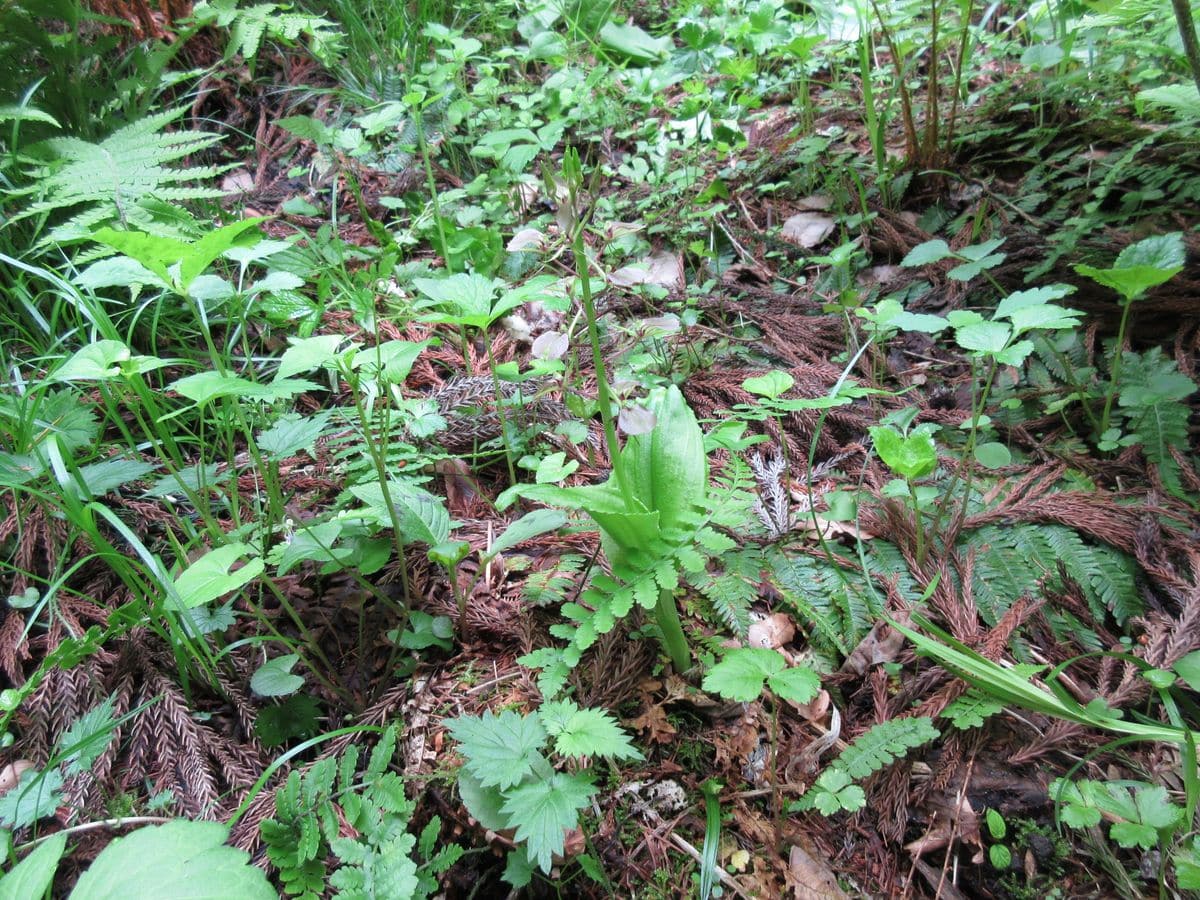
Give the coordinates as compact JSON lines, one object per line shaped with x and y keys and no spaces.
{"x":798,"y":684}
{"x":882,"y":744}
{"x":87,"y":738}
{"x":585,"y":732}
{"x":926,"y":253}
{"x":292,"y":433}
{"x":502,"y":749}
{"x":422,"y":516}
{"x":542,"y":810}
{"x":306,"y":354}
{"x":741,"y":674}
{"x":983,"y":337}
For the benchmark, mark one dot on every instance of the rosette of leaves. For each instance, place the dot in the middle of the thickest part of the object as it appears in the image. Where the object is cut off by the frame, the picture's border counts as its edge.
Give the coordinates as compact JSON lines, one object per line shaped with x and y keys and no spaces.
{"x":651,"y":514}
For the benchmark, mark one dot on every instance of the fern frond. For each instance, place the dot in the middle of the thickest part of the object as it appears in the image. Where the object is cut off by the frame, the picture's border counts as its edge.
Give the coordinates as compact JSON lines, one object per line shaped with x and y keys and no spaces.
{"x":882,"y":744}
{"x":1009,"y":562}
{"x":112,"y":177}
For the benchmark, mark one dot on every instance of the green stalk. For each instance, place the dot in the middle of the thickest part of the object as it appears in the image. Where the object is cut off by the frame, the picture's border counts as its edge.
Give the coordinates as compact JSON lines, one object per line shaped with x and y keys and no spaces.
{"x":1114,"y":375}
{"x":666,"y":616}
{"x":508,"y":453}
{"x":604,"y":394}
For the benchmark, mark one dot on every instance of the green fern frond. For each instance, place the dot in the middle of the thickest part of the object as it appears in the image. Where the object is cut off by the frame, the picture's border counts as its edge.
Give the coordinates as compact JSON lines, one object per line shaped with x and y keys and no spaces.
{"x":882,"y":744}
{"x":115,"y":179}
{"x":1010,"y":560}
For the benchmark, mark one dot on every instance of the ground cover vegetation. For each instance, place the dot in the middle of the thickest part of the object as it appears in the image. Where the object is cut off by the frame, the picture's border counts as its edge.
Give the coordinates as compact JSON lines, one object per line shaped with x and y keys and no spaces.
{"x":632,"y":449}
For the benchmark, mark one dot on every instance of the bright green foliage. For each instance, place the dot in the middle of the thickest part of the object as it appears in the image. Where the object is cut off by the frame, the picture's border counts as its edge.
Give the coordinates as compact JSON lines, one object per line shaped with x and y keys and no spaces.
{"x":879,"y":746}
{"x":122,"y":178}
{"x":1141,"y":813}
{"x":507,"y":782}
{"x":378,"y":862}
{"x":742,"y":673}
{"x":171,"y":860}
{"x":833,"y":791}
{"x":971,"y":710}
{"x":584,"y":732}
{"x":882,"y":744}
{"x":909,"y":456}
{"x":1010,"y":561}
{"x":500,"y":750}
{"x":33,"y":875}
{"x":249,"y":25}
{"x":1151,"y":399}
{"x":653,"y":529}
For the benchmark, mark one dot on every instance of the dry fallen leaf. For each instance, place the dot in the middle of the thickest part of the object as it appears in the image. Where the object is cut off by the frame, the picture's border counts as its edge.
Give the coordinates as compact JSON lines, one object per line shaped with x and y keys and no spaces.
{"x":810,"y":878}
{"x":772,"y":632}
{"x":664,"y":269}
{"x":882,"y":644}
{"x":11,"y":774}
{"x":806,"y":229}
{"x":527,"y":239}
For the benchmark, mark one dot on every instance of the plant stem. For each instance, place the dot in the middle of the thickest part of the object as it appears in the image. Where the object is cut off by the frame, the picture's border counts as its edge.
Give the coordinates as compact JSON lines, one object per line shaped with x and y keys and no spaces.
{"x":1114,"y":371}
{"x":604,"y":395}
{"x":666,"y":615}
{"x":508,"y":454}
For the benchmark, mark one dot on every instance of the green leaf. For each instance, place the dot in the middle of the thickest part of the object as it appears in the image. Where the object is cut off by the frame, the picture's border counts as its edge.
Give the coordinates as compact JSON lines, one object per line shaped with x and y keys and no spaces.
{"x":210,"y":577}
{"x":274,"y":679}
{"x":1188,"y":669}
{"x":204,"y":387}
{"x":554,"y":468}
{"x":35,"y":796}
{"x":585,"y":732}
{"x":983,"y":337}
{"x":391,"y":361}
{"x":633,"y":42}
{"x":531,"y":525}
{"x":544,"y":809}
{"x":102,"y":477}
{"x":500,"y":749}
{"x":422,"y":516}
{"x":911,"y":456}
{"x":1164,"y":252}
{"x":883,"y":744}
{"x":482,"y":802}
{"x":32,"y":876}
{"x":992,"y":455}
{"x":306,"y":354}
{"x":971,"y":710}
{"x":799,"y":684}
{"x":518,"y":869}
{"x":772,"y":385}
{"x":832,"y":792}
{"x":1141,"y":266}
{"x":87,"y":738}
{"x":999,"y":856}
{"x":178,"y":860}
{"x":426,"y":631}
{"x":102,"y":360}
{"x":742,"y":673}
{"x":292,"y":433}
{"x":294,"y":718}
{"x":926,"y":253}
{"x":997,"y":827}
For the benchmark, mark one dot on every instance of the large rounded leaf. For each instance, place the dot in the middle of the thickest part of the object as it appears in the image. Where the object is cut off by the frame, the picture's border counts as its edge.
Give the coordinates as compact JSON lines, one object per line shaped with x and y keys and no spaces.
{"x":180,"y":860}
{"x":666,"y":467}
